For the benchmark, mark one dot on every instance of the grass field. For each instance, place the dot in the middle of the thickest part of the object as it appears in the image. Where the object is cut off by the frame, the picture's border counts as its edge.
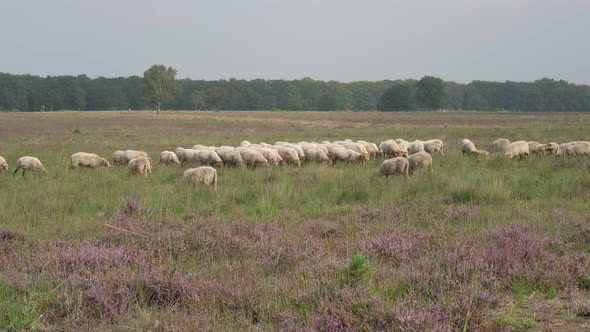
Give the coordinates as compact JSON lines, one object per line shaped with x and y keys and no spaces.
{"x":488,"y":245}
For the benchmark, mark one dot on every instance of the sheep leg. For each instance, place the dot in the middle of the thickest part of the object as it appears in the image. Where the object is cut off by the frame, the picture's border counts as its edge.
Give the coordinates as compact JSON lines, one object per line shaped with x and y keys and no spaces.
{"x":16,"y":170}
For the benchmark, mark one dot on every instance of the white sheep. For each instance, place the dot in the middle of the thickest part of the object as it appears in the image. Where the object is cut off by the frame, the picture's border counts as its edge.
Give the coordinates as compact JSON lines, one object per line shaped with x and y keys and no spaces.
{"x":90,"y":160}
{"x":420,"y":160}
{"x":201,"y":175}
{"x":119,"y":158}
{"x":397,"y":165}
{"x":230,"y":157}
{"x":346,"y":155}
{"x":433,"y":145}
{"x":128,"y":155}
{"x":467,"y":147}
{"x":169,"y":157}
{"x":518,"y":149}
{"x":580,"y":148}
{"x":416,"y":147}
{"x":140,"y":166}
{"x":317,"y":154}
{"x":289,"y":155}
{"x":253,"y":157}
{"x":3,"y":165}
{"x":500,"y":146}
{"x":30,"y":164}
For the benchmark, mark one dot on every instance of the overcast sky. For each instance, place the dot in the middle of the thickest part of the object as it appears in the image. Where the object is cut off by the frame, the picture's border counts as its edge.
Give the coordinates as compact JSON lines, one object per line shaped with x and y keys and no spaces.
{"x":457,"y":40}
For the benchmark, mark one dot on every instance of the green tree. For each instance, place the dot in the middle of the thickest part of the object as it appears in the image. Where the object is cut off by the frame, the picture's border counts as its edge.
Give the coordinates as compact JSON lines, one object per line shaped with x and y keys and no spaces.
{"x":214,"y":97}
{"x":198,"y":97}
{"x":396,"y":98}
{"x":429,"y":92}
{"x":159,"y":85}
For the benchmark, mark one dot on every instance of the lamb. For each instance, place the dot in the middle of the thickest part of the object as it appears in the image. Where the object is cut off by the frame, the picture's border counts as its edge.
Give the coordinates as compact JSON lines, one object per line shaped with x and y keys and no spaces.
{"x":253,"y":157}
{"x":518,"y":149}
{"x":201,"y":175}
{"x":30,"y":164}
{"x":499,"y":146}
{"x":90,"y":160}
{"x":580,"y":148}
{"x":397,"y":165}
{"x":433,"y":145}
{"x":140,"y":166}
{"x":346,"y":155}
{"x":289,"y":155}
{"x":3,"y":165}
{"x":420,"y":160}
{"x":169,"y":157}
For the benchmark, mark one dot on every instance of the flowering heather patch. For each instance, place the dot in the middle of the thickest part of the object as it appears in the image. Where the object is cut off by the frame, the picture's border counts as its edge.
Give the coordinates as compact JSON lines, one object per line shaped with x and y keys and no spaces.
{"x":397,"y":248}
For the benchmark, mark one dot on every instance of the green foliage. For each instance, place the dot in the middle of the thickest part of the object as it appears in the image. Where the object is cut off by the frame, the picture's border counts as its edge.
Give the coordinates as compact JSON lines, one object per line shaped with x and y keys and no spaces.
{"x":31,"y":93}
{"x":214,"y":98}
{"x":159,"y":84}
{"x":199,"y":99}
{"x":429,"y":92}
{"x":357,"y":268}
{"x":396,"y":98}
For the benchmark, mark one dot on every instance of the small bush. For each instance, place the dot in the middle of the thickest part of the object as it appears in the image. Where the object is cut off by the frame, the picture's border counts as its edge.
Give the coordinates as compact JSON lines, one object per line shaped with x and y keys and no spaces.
{"x":357,"y":268}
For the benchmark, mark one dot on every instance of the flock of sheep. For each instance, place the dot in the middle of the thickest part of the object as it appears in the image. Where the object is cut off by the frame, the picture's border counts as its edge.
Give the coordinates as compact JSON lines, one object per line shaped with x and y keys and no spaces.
{"x":403,"y":157}
{"x":523,"y":149}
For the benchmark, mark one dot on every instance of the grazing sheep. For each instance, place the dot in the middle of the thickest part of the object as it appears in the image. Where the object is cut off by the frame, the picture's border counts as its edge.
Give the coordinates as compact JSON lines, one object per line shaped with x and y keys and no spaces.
{"x":533,"y":145}
{"x":416,"y":147}
{"x":404,"y":145}
{"x":245,"y":143}
{"x":289,"y":155}
{"x":140,"y":166}
{"x":552,"y":148}
{"x":518,"y":149}
{"x":208,"y":157}
{"x":230,"y":157}
{"x":119,"y":158}
{"x":318,"y":155}
{"x":390,"y":148}
{"x":90,"y":160}
{"x":371,"y":148}
{"x":169,"y":157}
{"x":201,"y":175}
{"x":499,"y":146}
{"x":467,"y":147}
{"x":346,"y":155}
{"x":253,"y":157}
{"x":420,"y":160}
{"x":272,"y":156}
{"x":3,"y":164}
{"x":30,"y":164}
{"x":128,"y":155}
{"x":358,"y":148}
{"x":580,"y":148}
{"x":397,"y":165}
{"x":433,"y":145}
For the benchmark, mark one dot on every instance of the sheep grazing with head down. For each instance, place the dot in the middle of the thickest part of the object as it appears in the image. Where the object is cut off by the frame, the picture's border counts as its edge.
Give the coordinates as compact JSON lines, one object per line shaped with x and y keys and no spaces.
{"x":500,"y":146}
{"x":433,"y":145}
{"x":201,"y":175}
{"x":518,"y":149}
{"x":169,"y":157}
{"x":397,"y":165}
{"x":30,"y":164}
{"x":420,"y":160}
{"x":90,"y":160}
{"x":253,"y":157}
{"x":468,"y":148}
{"x":119,"y":158}
{"x":3,"y":165}
{"x":140,"y":166}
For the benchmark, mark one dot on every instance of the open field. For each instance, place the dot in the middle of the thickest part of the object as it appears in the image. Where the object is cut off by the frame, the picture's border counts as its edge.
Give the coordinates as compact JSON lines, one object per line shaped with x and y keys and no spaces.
{"x":488,"y":245}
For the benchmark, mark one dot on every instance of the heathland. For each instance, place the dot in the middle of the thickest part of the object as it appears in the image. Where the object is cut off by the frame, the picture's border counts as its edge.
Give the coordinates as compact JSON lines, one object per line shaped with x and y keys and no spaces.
{"x":478,"y":244}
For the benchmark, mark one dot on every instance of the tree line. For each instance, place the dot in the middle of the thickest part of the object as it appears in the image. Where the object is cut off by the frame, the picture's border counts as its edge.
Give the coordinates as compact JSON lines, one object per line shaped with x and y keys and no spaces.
{"x":34,"y":93}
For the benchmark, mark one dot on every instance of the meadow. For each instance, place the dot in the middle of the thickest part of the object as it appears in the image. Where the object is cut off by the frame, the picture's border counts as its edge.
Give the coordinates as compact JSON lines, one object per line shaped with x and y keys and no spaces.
{"x":477,"y":245}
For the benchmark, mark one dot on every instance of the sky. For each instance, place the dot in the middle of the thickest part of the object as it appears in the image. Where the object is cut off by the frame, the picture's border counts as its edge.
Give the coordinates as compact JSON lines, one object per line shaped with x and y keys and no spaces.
{"x":341,"y":40}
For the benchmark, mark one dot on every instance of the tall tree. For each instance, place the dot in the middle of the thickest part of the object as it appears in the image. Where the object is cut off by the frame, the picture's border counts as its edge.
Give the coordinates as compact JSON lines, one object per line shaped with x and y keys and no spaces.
{"x":396,"y":98}
{"x":159,"y":85}
{"x":429,"y":92}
